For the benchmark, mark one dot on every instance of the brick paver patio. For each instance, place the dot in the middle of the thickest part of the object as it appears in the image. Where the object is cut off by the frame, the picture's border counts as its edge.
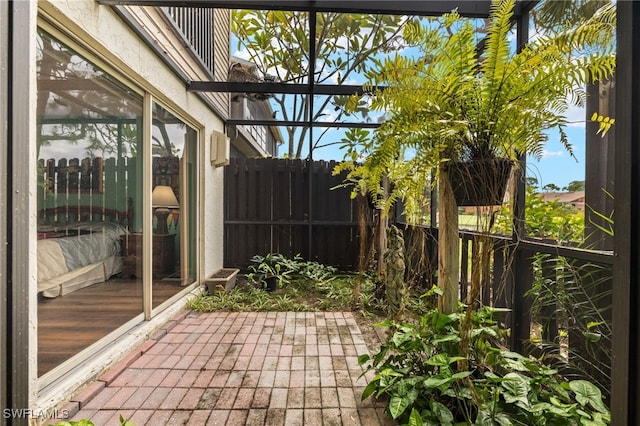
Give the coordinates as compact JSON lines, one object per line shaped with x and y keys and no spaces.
{"x":228,"y":368}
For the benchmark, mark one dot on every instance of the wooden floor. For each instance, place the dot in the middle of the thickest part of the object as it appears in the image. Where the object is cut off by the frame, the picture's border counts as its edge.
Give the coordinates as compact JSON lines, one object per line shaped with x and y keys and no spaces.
{"x":70,"y":323}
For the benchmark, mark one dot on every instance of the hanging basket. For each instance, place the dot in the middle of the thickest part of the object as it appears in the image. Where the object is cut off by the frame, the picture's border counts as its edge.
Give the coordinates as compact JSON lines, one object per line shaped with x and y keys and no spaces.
{"x":480,"y":182}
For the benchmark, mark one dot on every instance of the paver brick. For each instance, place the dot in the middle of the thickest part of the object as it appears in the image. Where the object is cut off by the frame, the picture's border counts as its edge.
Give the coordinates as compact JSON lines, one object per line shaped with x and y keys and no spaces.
{"x":346,"y":397}
{"x":219,"y":417}
{"x":350,"y":417}
{"x":297,"y":379}
{"x":261,"y":398}
{"x":295,"y":398}
{"x":155,"y":398}
{"x":219,"y":379}
{"x":312,"y":398}
{"x":244,"y":399}
{"x":235,"y":379}
{"x":256,"y":416}
{"x":178,"y":417}
{"x":278,"y":398}
{"x":275,"y":417}
{"x":191,"y":399}
{"x":297,"y":363}
{"x":312,"y":417}
{"x":227,"y":398}
{"x":198,"y":417}
{"x":282,"y":379}
{"x":136,"y":399}
{"x":267,"y":378}
{"x":119,"y":398}
{"x":173,"y":398}
{"x":331,"y":417}
{"x":140,"y":417}
{"x":251,"y":379}
{"x":287,"y":368}
{"x":329,"y":398}
{"x":294,"y":417}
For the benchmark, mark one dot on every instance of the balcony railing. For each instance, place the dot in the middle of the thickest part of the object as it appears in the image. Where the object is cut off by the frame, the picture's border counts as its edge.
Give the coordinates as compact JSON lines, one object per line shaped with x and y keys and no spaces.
{"x":196,"y":27}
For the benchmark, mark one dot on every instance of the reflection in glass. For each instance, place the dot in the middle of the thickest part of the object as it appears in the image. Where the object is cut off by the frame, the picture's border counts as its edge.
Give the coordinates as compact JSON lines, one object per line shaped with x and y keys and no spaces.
{"x":89,"y":143}
{"x":173,"y":180}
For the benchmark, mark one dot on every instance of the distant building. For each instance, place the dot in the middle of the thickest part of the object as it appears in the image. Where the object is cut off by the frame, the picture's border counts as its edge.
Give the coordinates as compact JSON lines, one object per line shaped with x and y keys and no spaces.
{"x":251,"y":140}
{"x":576,"y":198}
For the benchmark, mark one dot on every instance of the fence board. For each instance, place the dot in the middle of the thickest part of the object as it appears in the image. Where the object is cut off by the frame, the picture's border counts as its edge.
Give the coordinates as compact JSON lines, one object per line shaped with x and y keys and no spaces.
{"x":267,"y":209}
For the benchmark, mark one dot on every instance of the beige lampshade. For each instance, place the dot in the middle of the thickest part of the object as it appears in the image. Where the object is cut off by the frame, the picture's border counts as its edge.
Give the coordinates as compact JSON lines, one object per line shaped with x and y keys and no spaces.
{"x":163,"y":196}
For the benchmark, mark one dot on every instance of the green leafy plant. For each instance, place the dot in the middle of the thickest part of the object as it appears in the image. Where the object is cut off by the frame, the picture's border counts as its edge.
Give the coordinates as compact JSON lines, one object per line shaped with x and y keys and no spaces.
{"x":544,"y":219}
{"x":85,"y":422}
{"x":270,"y":265}
{"x":307,"y":286}
{"x":277,"y":44}
{"x":574,"y":298}
{"x":454,"y":102}
{"x":429,"y":378}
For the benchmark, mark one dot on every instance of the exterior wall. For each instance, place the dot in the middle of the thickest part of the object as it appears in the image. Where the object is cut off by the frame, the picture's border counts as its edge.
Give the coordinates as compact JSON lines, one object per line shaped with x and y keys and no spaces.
{"x":222,"y":46}
{"x":175,"y":45}
{"x":100,"y":33}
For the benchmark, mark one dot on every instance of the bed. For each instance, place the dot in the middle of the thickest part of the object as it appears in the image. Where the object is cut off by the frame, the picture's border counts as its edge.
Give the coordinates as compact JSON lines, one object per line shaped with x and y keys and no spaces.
{"x":78,"y":247}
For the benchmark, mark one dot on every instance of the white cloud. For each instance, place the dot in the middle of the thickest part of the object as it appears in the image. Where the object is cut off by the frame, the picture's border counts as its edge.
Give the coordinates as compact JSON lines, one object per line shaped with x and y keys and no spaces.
{"x":576,"y":117}
{"x":546,"y":153}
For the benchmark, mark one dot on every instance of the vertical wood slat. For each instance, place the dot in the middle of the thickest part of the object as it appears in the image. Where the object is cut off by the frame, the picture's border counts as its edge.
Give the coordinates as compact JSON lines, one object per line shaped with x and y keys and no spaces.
{"x":464,"y":267}
{"x":522,"y":283}
{"x":550,"y":327}
{"x":486,"y":281}
{"x":274,"y":193}
{"x":62,"y":176}
{"x":97,"y":171}
{"x":499,"y":299}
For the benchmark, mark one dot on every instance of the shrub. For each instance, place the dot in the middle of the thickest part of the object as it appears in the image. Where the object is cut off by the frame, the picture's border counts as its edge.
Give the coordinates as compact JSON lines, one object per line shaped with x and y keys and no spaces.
{"x":454,"y":368}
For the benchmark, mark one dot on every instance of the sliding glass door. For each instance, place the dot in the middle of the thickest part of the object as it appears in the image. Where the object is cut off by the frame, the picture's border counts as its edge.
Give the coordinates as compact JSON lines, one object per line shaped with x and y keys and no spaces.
{"x":93,"y":162}
{"x":173,"y":201}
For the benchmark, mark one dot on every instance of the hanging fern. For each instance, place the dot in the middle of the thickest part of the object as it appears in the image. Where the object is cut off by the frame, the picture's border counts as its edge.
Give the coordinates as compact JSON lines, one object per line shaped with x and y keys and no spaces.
{"x":454,"y":103}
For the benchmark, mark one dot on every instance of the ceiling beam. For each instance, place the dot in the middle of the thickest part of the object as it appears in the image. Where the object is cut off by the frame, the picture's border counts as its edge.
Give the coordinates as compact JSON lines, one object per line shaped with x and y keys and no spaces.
{"x":274,"y":87}
{"x":477,"y":9}
{"x":294,"y":123}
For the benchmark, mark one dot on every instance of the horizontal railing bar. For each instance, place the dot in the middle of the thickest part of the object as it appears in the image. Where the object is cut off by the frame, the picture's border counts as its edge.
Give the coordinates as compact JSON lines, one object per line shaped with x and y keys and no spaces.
{"x":291,"y":222}
{"x":476,"y":9}
{"x":276,"y":87}
{"x":239,"y":122}
{"x":597,"y":256}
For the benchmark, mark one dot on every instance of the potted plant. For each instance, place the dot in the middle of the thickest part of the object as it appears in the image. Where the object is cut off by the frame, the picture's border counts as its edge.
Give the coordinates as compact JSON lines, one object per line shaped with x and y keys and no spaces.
{"x":223,"y":279}
{"x":269,"y":270}
{"x":465,"y":99}
{"x":467,"y":106}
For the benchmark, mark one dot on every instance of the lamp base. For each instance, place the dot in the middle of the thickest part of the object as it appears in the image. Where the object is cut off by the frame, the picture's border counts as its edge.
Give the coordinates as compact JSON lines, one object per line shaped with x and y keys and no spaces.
{"x":162,"y":214}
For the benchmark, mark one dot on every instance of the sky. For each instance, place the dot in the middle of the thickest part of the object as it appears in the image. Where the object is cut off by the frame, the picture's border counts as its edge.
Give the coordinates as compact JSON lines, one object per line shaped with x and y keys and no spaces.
{"x":555,"y":167}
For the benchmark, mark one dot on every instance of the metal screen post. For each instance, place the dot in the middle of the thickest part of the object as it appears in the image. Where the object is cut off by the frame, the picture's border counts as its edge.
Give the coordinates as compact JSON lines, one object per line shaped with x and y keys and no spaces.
{"x":625,"y":376}
{"x":5,"y":48}
{"x":20,"y":135}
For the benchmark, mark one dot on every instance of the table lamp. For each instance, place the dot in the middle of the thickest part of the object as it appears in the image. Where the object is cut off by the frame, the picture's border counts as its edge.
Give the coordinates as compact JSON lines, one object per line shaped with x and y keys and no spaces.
{"x":163,"y":199}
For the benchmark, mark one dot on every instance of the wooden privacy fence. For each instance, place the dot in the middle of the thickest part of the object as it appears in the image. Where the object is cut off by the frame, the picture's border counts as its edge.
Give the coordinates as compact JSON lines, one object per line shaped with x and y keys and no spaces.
{"x":289,"y":207}
{"x":69,"y":187}
{"x":559,"y":297}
